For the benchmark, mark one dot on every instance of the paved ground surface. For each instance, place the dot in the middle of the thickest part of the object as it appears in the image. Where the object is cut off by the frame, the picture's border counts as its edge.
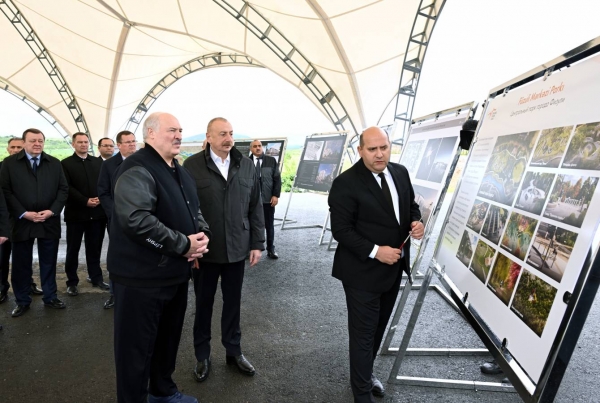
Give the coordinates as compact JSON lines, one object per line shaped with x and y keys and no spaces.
{"x":294,"y":332}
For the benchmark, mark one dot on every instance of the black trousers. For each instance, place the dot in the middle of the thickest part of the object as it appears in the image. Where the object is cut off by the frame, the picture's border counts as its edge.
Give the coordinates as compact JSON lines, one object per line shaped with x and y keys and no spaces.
{"x":22,"y":268}
{"x":147,"y":329}
{"x":368,"y":315}
{"x":269,"y":224}
{"x":5,"y":251}
{"x":206,"y":279}
{"x":94,"y":236}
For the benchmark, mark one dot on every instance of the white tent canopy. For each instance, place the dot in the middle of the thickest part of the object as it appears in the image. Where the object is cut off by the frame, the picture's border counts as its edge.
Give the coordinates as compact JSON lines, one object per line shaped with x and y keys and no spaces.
{"x":104,"y":56}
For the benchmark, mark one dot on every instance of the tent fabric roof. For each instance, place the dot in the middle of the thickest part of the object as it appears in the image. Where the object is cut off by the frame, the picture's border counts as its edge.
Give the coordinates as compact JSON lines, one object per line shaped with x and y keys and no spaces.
{"x":112,"y":52}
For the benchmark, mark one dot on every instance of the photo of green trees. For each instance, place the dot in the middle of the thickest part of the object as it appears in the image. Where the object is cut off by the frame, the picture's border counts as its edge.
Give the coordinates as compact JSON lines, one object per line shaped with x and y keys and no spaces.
{"x":518,"y":235}
{"x":482,"y":260}
{"x":533,"y":301}
{"x":551,"y":147}
{"x":504,"y":278}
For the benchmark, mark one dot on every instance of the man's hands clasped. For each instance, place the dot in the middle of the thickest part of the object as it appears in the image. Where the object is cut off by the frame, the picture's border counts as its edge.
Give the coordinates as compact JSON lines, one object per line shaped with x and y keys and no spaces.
{"x":198,"y":246}
{"x":40,"y":216}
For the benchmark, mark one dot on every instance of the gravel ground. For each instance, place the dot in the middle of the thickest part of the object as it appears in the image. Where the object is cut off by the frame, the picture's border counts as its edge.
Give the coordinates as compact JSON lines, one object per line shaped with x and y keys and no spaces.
{"x":294,"y":332}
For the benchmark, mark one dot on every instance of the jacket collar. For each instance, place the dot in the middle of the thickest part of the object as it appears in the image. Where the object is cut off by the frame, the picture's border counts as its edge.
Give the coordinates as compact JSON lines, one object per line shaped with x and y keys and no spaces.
{"x":151,"y":151}
{"x":43,"y":155}
{"x":235,"y":155}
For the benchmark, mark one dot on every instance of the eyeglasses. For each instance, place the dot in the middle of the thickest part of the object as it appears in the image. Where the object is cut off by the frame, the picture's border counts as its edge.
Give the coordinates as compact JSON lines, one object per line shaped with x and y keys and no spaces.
{"x":127,"y":142}
{"x":107,"y":145}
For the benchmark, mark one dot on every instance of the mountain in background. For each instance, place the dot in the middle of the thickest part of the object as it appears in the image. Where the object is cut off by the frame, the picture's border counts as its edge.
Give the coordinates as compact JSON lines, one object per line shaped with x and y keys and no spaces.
{"x":201,"y":137}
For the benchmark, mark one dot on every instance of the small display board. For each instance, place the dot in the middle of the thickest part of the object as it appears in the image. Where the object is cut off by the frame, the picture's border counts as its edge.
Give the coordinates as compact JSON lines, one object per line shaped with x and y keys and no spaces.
{"x":320,"y":162}
{"x":273,"y":147}
{"x":431,"y":146}
{"x":524,"y":217}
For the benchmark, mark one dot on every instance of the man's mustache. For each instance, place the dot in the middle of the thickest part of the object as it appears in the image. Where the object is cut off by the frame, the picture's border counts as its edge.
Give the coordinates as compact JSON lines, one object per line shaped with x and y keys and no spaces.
{"x":228,"y":143}
{"x":177,"y":142}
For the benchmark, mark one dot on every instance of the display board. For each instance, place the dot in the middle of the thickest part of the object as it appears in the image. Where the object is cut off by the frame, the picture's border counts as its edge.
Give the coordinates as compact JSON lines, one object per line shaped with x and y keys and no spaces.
{"x":427,"y":155}
{"x":528,"y":206}
{"x":273,"y":147}
{"x":320,"y":162}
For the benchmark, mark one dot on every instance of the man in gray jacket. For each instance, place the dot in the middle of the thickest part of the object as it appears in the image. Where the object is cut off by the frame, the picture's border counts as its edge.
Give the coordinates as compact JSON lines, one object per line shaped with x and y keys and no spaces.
{"x":229,"y":195}
{"x":268,"y":174}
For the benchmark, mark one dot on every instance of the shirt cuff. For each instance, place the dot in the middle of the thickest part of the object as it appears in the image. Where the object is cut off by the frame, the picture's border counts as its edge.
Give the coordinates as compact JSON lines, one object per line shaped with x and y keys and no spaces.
{"x":374,"y":251}
{"x":21,"y":216}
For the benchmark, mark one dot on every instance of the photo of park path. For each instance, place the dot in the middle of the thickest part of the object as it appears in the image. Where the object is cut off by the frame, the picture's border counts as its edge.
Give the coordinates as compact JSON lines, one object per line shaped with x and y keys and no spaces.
{"x":551,"y":250}
{"x":571,"y":198}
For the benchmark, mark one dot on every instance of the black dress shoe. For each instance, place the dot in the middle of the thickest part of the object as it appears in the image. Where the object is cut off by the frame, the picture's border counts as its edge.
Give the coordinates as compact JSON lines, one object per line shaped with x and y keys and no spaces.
{"x":101,"y":285}
{"x":242,"y":363}
{"x":202,"y":370}
{"x":3,"y":297}
{"x":72,"y":290}
{"x":110,"y":303}
{"x":19,"y":310}
{"x":272,"y":254}
{"x":377,"y":389}
{"x":56,"y":304}
{"x":35,"y":290}
{"x":491,"y":368}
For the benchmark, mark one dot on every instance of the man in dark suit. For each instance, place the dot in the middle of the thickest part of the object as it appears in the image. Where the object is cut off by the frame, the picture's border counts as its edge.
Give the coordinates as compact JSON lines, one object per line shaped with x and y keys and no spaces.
{"x":127,"y":145}
{"x":83,"y":214}
{"x":106,"y":148}
{"x":372,"y":213}
{"x":229,"y":195}
{"x":36,"y":190}
{"x":268,"y":174}
{"x":15,"y":144}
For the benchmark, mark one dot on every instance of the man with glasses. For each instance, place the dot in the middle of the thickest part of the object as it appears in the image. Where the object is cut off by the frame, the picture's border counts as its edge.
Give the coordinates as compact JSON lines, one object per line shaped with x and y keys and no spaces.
{"x":106,"y":147}
{"x":127,"y":146}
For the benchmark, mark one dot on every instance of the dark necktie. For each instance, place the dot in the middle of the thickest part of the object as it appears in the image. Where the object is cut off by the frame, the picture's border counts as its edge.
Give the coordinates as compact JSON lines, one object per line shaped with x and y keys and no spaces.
{"x":258,"y":173}
{"x":386,"y":190}
{"x":34,"y":166}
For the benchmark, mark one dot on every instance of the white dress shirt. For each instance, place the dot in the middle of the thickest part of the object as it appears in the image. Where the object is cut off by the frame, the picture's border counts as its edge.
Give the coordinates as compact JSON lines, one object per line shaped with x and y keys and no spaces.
{"x":223,"y":165}
{"x":395,"y":201}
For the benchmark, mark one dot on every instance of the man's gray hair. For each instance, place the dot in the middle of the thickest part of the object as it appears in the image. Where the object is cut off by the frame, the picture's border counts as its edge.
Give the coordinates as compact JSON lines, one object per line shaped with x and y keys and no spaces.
{"x":152,"y":122}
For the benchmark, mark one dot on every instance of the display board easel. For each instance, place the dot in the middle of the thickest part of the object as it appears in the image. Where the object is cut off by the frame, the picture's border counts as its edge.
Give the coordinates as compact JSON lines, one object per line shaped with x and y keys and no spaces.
{"x":320,"y":163}
{"x":518,"y":248}
{"x":430,"y":155}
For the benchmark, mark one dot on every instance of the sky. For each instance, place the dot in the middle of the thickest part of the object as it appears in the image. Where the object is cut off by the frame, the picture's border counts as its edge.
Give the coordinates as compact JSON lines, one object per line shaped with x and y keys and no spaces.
{"x":476,"y":46}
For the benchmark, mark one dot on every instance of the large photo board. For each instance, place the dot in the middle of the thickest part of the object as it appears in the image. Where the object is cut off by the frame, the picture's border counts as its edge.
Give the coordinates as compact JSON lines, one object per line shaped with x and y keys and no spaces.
{"x":320,"y":162}
{"x":274,"y":147}
{"x":427,"y":155}
{"x":528,"y":206}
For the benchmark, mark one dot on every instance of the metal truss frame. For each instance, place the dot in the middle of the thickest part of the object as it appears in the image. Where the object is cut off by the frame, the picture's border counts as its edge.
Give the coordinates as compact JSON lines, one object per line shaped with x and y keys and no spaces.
{"x":424,"y":24}
{"x":33,"y":105}
{"x":289,"y":54}
{"x":16,"y":18}
{"x":196,"y":64}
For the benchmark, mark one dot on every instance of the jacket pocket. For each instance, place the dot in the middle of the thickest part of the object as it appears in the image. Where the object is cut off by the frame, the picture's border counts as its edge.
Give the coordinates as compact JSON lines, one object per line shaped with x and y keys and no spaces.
{"x":247,"y":182}
{"x":246,"y":224}
{"x":202,"y":183}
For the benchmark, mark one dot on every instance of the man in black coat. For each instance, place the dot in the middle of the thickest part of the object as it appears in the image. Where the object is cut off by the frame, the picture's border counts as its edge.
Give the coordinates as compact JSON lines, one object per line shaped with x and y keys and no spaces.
{"x":268,"y":174}
{"x":36,"y":190}
{"x":106,"y":185}
{"x":229,"y":194}
{"x":372,"y":213}
{"x":83,"y":214}
{"x":157,"y":231}
{"x":15,"y":144}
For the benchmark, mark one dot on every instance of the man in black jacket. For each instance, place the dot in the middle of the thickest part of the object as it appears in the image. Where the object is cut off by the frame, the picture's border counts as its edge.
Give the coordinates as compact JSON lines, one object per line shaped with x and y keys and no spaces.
{"x":157,"y":231}
{"x":229,"y":194}
{"x":268,"y":174}
{"x":83,"y":214}
{"x":15,"y":144}
{"x":127,"y":145}
{"x":36,"y":190}
{"x":373,"y":211}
